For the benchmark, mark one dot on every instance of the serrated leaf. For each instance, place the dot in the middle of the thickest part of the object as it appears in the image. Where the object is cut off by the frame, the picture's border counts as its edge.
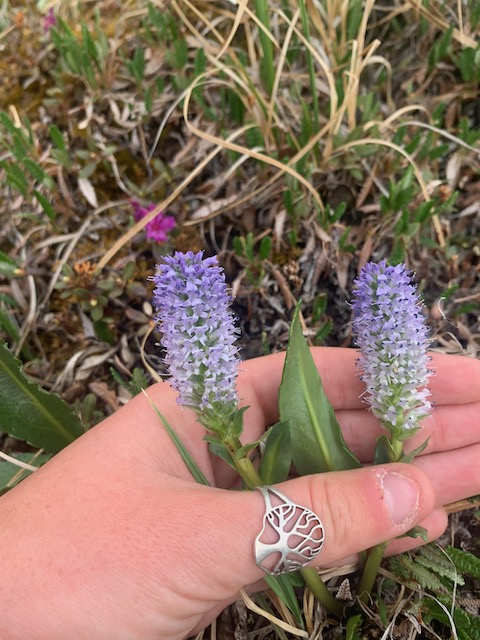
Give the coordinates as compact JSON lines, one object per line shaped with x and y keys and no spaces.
{"x":317,"y":440}
{"x":277,"y":455}
{"x":465,"y":562}
{"x":45,"y":204}
{"x":447,"y":570}
{"x":35,"y":170}
{"x":426,"y":578}
{"x":30,"y":413}
{"x":57,"y":138}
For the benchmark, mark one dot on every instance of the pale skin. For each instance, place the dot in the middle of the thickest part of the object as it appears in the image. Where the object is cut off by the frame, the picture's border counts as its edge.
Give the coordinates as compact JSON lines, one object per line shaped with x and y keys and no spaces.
{"x":113,"y":539}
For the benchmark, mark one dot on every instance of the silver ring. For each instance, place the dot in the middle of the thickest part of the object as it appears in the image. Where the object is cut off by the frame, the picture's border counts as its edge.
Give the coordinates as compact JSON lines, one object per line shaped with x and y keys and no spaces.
{"x":291,"y":535}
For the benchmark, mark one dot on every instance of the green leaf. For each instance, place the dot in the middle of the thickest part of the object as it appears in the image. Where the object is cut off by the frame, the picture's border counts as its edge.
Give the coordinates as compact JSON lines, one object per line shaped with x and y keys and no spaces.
{"x":35,"y":170}
{"x":8,"y":267}
{"x":190,"y":463}
{"x":426,"y":578}
{"x":283,"y":587}
{"x":464,"y":561}
{"x":353,"y":624}
{"x":317,"y":441}
{"x":218,"y":448}
{"x":431,"y":558}
{"x":15,"y":176}
{"x":277,"y":455}
{"x":416,"y":532}
{"x":382,"y":448}
{"x":9,"y":471}
{"x":57,"y":138}
{"x":45,"y":204}
{"x":245,"y":450}
{"x":30,"y":413}
{"x":410,"y":456}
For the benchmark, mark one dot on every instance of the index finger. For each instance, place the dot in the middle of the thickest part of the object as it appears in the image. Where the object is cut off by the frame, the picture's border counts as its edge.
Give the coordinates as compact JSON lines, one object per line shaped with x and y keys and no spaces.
{"x":456,"y":380}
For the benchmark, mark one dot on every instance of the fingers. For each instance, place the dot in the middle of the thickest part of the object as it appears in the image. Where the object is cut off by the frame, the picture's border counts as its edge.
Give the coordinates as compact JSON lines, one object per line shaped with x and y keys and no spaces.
{"x":358,"y":509}
{"x":448,"y":427}
{"x":454,"y":422}
{"x":435,"y":524}
{"x":455,"y":475}
{"x":260,"y":379}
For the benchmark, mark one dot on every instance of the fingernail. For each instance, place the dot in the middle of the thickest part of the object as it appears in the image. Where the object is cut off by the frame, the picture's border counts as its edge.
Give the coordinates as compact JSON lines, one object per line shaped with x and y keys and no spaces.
{"x":402,"y":497}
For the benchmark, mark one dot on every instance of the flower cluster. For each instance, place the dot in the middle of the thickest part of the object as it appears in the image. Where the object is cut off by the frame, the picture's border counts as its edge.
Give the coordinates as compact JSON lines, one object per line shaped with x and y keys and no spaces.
{"x":198,"y":334}
{"x":158,"y":228}
{"x":390,"y":330}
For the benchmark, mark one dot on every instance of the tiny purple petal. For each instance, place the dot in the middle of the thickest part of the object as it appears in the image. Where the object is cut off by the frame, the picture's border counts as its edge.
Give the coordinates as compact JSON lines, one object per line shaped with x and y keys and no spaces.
{"x":193,"y":312}
{"x":390,"y":330}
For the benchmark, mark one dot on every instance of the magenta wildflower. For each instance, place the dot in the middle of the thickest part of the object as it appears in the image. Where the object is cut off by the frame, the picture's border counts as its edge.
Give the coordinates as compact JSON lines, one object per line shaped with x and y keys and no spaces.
{"x":198,"y":335}
{"x":49,"y":20}
{"x":158,"y":228}
{"x":390,"y":330}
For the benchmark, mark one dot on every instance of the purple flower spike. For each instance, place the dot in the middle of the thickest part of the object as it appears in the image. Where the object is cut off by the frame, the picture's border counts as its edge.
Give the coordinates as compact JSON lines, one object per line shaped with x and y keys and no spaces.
{"x":390,"y":330}
{"x":193,"y":313}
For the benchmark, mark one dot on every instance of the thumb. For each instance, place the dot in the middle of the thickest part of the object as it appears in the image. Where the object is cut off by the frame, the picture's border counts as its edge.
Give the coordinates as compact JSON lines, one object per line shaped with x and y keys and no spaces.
{"x":358,"y":509}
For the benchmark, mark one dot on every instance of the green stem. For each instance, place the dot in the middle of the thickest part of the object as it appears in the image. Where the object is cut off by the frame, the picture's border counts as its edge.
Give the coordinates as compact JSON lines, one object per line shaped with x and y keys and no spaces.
{"x":249,"y":475}
{"x":370,"y":571}
{"x":397,"y":450}
{"x":244,"y":465}
{"x":320,"y":591}
{"x":394,"y":451}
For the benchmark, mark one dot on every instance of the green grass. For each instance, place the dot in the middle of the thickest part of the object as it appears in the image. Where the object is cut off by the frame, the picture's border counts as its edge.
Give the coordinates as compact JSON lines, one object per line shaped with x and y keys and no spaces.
{"x":296,"y":140}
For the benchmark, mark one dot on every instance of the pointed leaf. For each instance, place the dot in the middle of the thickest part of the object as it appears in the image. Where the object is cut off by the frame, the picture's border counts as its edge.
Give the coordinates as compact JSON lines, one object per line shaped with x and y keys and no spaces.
{"x":353,"y":625}
{"x":416,"y":532}
{"x":317,"y":441}
{"x":218,"y":448}
{"x":190,"y":463}
{"x":30,"y":413}
{"x":277,"y":455}
{"x":283,"y":586}
{"x":246,"y":449}
{"x":410,"y":456}
{"x":382,"y":449}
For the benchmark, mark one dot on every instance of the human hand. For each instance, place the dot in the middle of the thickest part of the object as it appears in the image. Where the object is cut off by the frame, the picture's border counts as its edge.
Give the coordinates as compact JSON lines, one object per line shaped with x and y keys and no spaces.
{"x":113,"y":539}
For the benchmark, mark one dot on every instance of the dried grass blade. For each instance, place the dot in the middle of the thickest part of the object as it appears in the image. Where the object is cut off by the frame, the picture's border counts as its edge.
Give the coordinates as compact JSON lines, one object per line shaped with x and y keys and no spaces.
{"x":271,"y":618}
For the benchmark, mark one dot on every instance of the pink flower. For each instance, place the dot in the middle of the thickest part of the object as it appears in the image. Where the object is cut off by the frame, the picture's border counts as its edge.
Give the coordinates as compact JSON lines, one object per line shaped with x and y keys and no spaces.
{"x":49,"y":20}
{"x":158,"y":228}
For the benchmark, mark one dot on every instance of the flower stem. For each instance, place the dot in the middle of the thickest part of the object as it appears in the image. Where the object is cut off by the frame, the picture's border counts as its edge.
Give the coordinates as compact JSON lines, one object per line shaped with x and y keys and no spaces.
{"x":320,"y":591}
{"x":249,"y":475}
{"x":243,"y":464}
{"x":370,"y":570}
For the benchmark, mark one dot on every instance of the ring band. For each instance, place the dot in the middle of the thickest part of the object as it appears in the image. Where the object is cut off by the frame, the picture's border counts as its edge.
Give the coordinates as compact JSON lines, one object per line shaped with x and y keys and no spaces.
{"x":291,"y":535}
